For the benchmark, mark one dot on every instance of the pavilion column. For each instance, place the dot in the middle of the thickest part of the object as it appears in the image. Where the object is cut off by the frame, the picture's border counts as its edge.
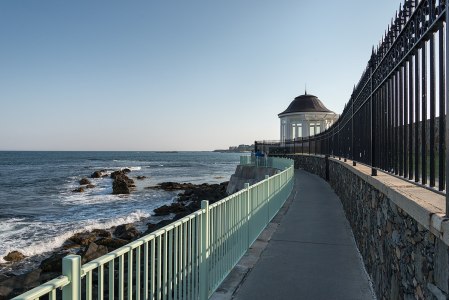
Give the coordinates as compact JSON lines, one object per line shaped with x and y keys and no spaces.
{"x":287,"y":129}
{"x":306,"y":128}
{"x":282,"y":131}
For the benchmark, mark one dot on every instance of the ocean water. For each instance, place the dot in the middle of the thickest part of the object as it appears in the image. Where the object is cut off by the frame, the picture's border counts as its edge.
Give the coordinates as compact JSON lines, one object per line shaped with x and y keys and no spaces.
{"x":39,"y":211}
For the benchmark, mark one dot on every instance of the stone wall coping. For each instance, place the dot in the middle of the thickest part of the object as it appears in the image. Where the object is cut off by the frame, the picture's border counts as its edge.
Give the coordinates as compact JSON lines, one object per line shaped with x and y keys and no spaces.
{"x":425,"y":206}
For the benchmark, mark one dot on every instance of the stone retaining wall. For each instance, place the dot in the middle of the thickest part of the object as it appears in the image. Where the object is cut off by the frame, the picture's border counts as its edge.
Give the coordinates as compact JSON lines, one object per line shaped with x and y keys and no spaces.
{"x":247,"y":174}
{"x":403,"y":257}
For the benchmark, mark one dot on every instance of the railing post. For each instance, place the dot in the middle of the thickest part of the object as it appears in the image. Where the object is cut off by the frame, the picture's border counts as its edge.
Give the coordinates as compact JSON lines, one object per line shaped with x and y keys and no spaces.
{"x":71,"y":267}
{"x":326,"y":159}
{"x":204,"y":284}
{"x":248,"y":213}
{"x":267,"y":194}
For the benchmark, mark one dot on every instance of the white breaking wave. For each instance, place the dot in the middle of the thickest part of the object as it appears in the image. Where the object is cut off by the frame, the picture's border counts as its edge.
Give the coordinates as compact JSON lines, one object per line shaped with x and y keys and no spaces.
{"x":30,"y":247}
{"x":135,"y":168}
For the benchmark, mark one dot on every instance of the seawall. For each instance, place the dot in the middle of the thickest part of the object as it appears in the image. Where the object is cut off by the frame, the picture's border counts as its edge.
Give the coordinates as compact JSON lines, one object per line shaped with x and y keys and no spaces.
{"x":399,"y":228}
{"x":247,"y":174}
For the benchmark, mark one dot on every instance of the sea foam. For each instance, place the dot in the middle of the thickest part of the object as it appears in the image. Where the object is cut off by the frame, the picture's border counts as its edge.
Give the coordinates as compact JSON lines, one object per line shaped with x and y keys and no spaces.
{"x":50,"y":243}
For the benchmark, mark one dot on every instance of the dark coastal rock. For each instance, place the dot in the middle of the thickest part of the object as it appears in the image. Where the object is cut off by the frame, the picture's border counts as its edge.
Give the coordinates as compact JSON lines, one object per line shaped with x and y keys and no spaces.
{"x":83,"y":238}
{"x":120,"y":186}
{"x":14,"y":256}
{"x":70,"y":245}
{"x":210,"y":192}
{"x":79,"y":190}
{"x":122,"y":183}
{"x":102,"y":233}
{"x":141,"y":177}
{"x":92,"y":252}
{"x":117,"y":173}
{"x":195,"y":192}
{"x":155,"y":226}
{"x":84,"y":181}
{"x":112,"y":243}
{"x":97,"y":174}
{"x":173,"y":186}
{"x":168,"y":209}
{"x":126,"y":170}
{"x":53,"y":263}
{"x":12,"y":286}
{"x":90,"y":186}
{"x":126,"y":232}
{"x":181,"y":215}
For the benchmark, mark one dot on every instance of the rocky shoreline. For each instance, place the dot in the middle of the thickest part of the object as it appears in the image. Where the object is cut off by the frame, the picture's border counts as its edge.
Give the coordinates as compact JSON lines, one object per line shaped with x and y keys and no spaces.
{"x":95,"y":243}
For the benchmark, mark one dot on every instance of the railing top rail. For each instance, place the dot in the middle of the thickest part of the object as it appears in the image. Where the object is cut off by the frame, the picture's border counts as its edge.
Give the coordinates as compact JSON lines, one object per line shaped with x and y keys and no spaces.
{"x":44,"y":289}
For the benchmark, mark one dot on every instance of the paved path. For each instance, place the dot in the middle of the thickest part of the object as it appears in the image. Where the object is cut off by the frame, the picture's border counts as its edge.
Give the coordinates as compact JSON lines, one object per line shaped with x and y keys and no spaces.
{"x":312,"y":254}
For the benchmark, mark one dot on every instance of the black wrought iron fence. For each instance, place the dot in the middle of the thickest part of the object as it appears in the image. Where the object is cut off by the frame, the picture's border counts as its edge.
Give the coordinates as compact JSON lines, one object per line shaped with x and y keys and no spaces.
{"x":395,"y":120}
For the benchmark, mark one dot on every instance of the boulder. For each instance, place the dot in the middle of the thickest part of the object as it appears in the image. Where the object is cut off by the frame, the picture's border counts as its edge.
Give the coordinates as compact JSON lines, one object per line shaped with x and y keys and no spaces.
{"x":116,"y":173}
{"x":152,"y":227}
{"x":79,"y":190}
{"x":173,"y":186}
{"x":97,"y":174}
{"x":112,"y":243}
{"x":83,"y":238}
{"x":70,"y":245}
{"x":122,"y":183}
{"x":92,"y":252}
{"x":195,"y":192}
{"x":126,"y":170}
{"x":84,"y":181}
{"x":14,"y":256}
{"x":12,"y":286}
{"x":181,"y":215}
{"x":211,"y":192}
{"x":120,"y":186}
{"x":141,"y":177}
{"x":168,"y":209}
{"x":102,"y":233}
{"x":53,"y":263}
{"x":90,"y":186}
{"x":126,"y":232}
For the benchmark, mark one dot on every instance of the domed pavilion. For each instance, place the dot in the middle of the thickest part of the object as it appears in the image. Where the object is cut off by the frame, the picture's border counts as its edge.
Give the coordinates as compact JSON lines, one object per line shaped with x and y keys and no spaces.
{"x":305,"y":116}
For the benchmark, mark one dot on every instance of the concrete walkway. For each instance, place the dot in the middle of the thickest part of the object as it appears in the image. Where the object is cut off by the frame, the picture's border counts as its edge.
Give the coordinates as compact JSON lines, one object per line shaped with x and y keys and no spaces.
{"x":312,"y":254}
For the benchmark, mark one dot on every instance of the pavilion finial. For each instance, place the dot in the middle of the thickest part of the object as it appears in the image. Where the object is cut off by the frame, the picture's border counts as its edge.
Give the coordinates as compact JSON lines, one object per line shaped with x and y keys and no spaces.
{"x":305,"y":89}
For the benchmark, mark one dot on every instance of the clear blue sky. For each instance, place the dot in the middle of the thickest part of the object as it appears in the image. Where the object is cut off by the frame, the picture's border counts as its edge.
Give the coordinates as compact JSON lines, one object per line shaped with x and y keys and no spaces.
{"x":173,"y":75}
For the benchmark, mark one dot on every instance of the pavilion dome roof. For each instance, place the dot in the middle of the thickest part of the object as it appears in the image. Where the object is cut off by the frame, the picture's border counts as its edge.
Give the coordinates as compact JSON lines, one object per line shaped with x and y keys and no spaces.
{"x":306,"y":103}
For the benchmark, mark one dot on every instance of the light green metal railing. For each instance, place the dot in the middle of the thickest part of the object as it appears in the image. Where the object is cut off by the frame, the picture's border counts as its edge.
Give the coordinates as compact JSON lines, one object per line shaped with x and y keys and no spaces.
{"x":187,"y":259}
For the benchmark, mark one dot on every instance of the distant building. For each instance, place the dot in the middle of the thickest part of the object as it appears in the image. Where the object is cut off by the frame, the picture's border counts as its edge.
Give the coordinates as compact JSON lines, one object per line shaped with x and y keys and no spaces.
{"x":305,"y":116}
{"x":237,"y":149}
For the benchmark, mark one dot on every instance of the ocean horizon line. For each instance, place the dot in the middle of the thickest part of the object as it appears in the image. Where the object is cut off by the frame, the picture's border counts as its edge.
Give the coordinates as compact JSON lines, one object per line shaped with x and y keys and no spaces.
{"x":156,"y":151}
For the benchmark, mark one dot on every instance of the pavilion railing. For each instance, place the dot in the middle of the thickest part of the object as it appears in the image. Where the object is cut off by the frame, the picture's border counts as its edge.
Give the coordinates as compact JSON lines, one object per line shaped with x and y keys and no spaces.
{"x":396,"y":117}
{"x":187,"y":259}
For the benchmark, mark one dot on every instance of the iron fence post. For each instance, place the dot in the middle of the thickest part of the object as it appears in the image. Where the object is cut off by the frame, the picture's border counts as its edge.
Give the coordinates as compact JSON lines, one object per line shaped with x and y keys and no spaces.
{"x":71,"y":267}
{"x":446,"y":130}
{"x":373,"y":123}
{"x":352,"y":129}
